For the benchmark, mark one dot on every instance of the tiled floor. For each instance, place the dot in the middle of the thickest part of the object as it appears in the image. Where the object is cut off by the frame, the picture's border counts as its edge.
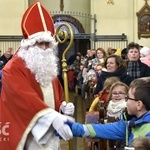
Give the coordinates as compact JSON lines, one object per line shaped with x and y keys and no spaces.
{"x":77,"y":143}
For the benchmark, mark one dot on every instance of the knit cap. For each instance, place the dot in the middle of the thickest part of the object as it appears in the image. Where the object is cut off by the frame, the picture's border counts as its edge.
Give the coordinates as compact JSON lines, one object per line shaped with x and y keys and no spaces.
{"x":145,"y":51}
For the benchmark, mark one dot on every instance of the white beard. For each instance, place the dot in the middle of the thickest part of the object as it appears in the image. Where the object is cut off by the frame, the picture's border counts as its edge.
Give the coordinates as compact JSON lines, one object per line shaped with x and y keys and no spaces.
{"x":42,"y":63}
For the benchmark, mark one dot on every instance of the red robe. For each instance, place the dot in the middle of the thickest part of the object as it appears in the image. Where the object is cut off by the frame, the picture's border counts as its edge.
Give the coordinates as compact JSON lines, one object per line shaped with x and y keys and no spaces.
{"x":21,"y":100}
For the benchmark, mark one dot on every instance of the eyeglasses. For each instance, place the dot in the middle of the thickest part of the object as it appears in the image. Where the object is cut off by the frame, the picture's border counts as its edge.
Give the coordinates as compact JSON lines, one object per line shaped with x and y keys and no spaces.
{"x":127,"y":97}
{"x":119,"y":93}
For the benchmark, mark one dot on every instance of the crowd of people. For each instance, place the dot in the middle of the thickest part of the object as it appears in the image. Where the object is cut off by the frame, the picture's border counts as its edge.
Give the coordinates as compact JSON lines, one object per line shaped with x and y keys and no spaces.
{"x":93,"y":69}
{"x":32,"y":104}
{"x":127,"y":126}
{"x":102,"y":72}
{"x":5,"y":57}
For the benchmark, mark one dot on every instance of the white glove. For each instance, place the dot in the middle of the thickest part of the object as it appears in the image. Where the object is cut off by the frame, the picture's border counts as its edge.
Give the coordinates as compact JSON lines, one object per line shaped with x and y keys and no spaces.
{"x":67,"y":109}
{"x":61,"y":127}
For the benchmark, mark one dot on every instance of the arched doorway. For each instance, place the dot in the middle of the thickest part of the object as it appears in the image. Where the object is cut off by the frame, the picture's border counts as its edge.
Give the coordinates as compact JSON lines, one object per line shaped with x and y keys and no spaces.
{"x":79,"y":44}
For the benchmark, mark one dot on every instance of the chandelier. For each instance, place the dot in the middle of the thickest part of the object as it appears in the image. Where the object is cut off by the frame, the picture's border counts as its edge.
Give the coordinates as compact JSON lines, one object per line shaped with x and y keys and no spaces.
{"x":110,"y":2}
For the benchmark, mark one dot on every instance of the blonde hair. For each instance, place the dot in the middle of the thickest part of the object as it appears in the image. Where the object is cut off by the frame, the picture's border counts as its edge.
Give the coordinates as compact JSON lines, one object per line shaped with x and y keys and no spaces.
{"x":101,"y":64}
{"x":109,"y":81}
{"x":118,"y":83}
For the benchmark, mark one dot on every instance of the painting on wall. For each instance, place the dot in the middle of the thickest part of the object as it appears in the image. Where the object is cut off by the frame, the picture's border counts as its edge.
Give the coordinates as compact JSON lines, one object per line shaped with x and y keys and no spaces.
{"x":144,"y":21}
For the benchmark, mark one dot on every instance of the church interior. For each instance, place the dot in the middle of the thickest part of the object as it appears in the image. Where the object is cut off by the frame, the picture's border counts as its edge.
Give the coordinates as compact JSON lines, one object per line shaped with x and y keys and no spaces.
{"x":94,"y":23}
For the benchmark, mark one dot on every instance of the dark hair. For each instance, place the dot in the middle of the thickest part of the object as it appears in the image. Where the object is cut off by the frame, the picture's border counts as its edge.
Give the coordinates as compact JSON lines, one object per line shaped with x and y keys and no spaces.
{"x":124,"y":53}
{"x":133,"y":45}
{"x":78,"y":55}
{"x":119,"y":61}
{"x":141,"y":87}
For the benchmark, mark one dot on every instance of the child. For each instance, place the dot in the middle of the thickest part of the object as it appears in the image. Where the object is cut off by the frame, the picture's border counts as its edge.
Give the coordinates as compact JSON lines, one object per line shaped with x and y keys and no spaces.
{"x":71,"y":78}
{"x":103,"y":95}
{"x":99,"y":68}
{"x":138,"y":104}
{"x":89,"y":81}
{"x":117,"y":103}
{"x":79,"y":76}
{"x":116,"y":107}
{"x":79,"y":80}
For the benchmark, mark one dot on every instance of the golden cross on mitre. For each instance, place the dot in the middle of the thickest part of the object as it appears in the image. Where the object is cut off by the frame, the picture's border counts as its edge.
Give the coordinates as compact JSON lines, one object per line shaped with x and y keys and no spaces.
{"x":61,"y":5}
{"x":146,"y":1}
{"x":110,"y":2}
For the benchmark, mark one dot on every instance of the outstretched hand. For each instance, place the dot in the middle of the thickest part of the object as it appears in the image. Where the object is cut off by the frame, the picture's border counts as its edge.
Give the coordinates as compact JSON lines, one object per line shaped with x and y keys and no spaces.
{"x":69,"y":124}
{"x":61,"y":125}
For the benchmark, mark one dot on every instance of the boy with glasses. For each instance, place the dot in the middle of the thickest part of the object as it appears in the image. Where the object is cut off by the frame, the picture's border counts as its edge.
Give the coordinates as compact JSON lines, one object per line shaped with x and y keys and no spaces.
{"x":138,"y":104}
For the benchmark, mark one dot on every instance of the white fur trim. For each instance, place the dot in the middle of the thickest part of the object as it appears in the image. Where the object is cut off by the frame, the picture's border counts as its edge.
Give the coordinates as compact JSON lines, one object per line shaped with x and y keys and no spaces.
{"x":38,"y":37}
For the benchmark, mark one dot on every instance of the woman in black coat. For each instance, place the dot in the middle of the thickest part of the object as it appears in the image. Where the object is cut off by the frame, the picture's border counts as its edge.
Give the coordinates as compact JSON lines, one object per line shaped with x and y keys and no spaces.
{"x":115,"y":67}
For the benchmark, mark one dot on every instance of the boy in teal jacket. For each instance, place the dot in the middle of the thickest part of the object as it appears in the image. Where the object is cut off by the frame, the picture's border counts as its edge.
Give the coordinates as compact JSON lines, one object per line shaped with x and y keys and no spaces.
{"x":138,"y":105}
